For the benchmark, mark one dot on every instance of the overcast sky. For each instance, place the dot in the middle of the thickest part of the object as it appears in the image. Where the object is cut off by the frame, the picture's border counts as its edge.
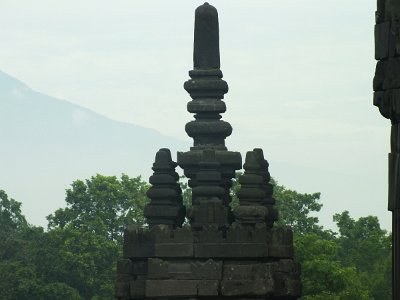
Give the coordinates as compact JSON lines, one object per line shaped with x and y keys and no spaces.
{"x":299,"y":71}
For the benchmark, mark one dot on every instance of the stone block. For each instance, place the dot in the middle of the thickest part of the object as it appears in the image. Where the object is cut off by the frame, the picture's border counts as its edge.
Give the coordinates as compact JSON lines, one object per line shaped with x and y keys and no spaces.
{"x":247,"y":270}
{"x":230,"y":250}
{"x":209,"y":235}
{"x":394,"y":39}
{"x":383,"y":101}
{"x":392,"y":10}
{"x":287,"y":266}
{"x":379,"y":77}
{"x":250,"y":214}
{"x":285,"y":286}
{"x":394,"y":185}
{"x":185,"y":269}
{"x":388,"y":103}
{"x":181,"y":288}
{"x":160,"y":241}
{"x":391,"y":72}
{"x":395,"y":10}
{"x":208,"y":288}
{"x":139,"y":267}
{"x":137,"y":288}
{"x":380,"y":12}
{"x":248,"y":235}
{"x":382,"y":32}
{"x":378,"y":98}
{"x":163,"y":234}
{"x":124,"y":266}
{"x":175,"y":250}
{"x":281,"y":245}
{"x":122,"y":289}
{"x":247,"y":288}
{"x":137,"y":243}
{"x":210,"y":213}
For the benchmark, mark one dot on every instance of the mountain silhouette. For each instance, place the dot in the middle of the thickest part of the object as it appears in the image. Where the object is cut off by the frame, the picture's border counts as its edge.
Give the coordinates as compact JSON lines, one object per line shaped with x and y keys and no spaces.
{"x":46,"y":143}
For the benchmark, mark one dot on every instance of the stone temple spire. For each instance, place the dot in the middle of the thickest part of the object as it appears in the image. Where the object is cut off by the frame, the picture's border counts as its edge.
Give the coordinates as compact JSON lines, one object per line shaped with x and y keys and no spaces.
{"x":216,"y":256}
{"x":206,"y":87}
{"x":206,"y":38}
{"x":208,"y":158}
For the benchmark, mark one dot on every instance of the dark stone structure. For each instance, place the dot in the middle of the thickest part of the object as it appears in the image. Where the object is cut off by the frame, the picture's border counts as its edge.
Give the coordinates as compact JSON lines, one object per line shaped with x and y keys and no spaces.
{"x":387,"y":99}
{"x":220,"y":254}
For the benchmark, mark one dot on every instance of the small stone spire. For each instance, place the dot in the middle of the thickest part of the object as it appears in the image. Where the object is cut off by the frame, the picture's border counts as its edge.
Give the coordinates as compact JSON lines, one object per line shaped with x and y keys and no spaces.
{"x":256,"y":204}
{"x":165,"y":194}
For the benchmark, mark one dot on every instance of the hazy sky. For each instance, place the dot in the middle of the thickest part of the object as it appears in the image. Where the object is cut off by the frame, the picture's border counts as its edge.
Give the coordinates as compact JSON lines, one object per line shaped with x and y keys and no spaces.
{"x":300,"y":75}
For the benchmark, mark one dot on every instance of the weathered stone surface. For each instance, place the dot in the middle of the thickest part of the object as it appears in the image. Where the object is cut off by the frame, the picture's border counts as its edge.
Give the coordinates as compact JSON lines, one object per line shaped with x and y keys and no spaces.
{"x":394,"y":39}
{"x":380,"y":72}
{"x":382,"y":32}
{"x":186,"y":269}
{"x":247,"y":270}
{"x":243,"y":288}
{"x":282,"y":243}
{"x":124,"y":266}
{"x":284,"y":286}
{"x":122,"y":289}
{"x":287,"y":266}
{"x":160,"y":241}
{"x":392,"y":10}
{"x":391,"y":71}
{"x":380,"y":12}
{"x":389,"y":104}
{"x":394,"y":179}
{"x":137,"y":288}
{"x":181,"y":288}
{"x":232,"y":250}
{"x":206,"y":38}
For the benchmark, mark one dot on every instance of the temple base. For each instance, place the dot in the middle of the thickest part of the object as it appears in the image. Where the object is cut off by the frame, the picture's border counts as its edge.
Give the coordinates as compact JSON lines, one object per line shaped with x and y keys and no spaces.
{"x":240,"y":263}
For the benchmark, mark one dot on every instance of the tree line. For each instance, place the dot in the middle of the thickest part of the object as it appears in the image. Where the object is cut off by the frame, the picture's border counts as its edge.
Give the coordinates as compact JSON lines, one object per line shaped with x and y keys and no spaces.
{"x":75,"y":257}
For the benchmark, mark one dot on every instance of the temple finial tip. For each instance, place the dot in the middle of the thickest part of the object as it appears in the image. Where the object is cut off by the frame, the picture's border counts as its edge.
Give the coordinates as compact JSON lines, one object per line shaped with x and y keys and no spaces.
{"x":206,"y":38}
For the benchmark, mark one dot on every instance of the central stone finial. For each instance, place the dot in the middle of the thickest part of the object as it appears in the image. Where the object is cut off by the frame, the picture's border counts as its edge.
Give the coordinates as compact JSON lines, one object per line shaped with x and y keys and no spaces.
{"x":206,"y":38}
{"x":206,"y":87}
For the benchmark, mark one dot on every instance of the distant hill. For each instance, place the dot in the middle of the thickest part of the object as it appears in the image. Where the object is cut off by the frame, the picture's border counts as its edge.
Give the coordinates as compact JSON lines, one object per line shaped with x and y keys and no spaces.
{"x":46,"y":143}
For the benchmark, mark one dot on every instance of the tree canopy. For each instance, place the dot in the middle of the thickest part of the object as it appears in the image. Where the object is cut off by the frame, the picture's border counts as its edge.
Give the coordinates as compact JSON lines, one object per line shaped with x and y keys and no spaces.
{"x":75,"y":258}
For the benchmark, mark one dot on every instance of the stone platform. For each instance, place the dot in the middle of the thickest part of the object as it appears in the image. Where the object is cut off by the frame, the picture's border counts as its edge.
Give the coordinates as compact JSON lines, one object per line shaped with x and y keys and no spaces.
{"x":240,"y":262}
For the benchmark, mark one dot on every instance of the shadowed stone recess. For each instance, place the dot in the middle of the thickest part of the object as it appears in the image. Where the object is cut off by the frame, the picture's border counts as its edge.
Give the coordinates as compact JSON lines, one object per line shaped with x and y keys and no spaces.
{"x":218,"y":254}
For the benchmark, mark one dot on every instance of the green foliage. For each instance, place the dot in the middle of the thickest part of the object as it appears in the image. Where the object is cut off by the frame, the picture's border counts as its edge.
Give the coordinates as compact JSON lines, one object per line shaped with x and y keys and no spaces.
{"x":103,"y":204}
{"x":367,"y":247}
{"x":186,"y":191}
{"x":297,"y":210}
{"x":76,"y":257}
{"x":323,"y":275}
{"x":11,"y":217}
{"x":91,"y":228}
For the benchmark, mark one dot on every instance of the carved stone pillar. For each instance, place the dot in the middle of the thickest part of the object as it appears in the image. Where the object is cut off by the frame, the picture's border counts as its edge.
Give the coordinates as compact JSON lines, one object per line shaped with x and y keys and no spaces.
{"x":387,"y":98}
